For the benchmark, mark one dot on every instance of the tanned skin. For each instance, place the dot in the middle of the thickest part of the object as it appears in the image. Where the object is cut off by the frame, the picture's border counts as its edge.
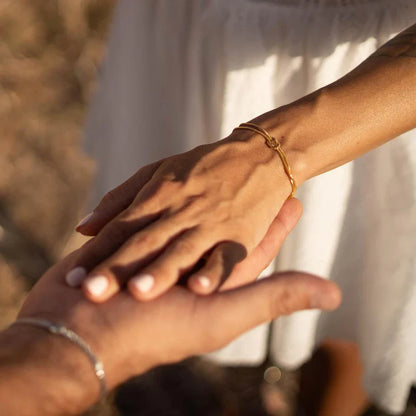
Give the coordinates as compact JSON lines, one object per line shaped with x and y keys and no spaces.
{"x":217,"y":201}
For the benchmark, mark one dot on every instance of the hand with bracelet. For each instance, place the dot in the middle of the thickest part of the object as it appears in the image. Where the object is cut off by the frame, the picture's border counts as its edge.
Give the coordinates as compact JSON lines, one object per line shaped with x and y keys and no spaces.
{"x":43,"y":374}
{"x":198,"y":214}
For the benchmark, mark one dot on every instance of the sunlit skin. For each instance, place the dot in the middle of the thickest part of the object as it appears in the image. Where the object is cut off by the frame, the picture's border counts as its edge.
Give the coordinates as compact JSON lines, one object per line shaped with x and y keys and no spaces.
{"x":217,"y":201}
{"x":44,"y":375}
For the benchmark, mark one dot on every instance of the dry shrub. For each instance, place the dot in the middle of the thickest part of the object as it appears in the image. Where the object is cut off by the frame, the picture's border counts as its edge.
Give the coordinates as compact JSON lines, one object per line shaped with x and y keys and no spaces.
{"x":49,"y":54}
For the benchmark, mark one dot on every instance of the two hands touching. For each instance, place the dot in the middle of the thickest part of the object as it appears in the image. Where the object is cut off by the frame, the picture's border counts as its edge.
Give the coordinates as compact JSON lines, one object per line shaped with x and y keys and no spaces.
{"x":131,"y":336}
{"x":196,"y":216}
{"x":206,"y":218}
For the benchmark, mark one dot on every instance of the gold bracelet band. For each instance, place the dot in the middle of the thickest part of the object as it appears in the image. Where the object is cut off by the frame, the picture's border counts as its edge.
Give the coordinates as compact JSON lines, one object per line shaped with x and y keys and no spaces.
{"x":275,"y":145}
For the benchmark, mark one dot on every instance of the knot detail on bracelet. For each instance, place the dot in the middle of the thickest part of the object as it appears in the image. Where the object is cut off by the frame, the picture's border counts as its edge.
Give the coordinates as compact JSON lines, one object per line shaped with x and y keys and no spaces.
{"x":275,"y":145}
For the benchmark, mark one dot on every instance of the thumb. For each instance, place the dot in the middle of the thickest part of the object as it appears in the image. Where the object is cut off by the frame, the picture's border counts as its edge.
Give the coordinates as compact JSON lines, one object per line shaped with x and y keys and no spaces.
{"x":116,"y":201}
{"x":241,"y":309}
{"x":249,"y":269}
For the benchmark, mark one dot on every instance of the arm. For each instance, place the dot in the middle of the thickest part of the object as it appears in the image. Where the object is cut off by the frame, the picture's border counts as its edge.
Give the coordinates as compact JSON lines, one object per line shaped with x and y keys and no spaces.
{"x":218,"y":200}
{"x":45,"y":375}
{"x":369,"y":106}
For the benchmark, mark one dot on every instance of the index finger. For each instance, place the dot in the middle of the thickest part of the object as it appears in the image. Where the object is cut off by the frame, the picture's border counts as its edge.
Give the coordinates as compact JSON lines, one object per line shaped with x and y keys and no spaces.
{"x":116,"y":201}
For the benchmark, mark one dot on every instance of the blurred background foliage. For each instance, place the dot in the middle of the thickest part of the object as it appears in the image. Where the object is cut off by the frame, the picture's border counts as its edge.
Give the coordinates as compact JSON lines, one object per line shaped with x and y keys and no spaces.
{"x":50,"y":51}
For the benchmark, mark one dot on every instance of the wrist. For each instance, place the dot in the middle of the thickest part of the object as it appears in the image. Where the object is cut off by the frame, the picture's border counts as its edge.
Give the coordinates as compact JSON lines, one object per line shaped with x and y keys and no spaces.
{"x":102,"y":330}
{"x":252,"y":148}
{"x":52,"y":375}
{"x":291,"y":125}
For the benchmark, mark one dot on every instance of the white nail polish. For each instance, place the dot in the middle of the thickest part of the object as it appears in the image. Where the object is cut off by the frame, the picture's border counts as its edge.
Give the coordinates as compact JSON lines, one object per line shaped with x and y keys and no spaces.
{"x":97,"y":285}
{"x":143,"y":282}
{"x":85,"y":220}
{"x":204,"y":281}
{"x":75,"y":277}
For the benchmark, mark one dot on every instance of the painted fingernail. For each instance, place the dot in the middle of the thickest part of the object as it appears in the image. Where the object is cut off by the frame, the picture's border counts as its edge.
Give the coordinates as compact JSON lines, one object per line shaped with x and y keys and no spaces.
{"x":85,"y":220}
{"x":97,"y":285}
{"x":204,"y":281}
{"x":143,"y":282}
{"x":75,"y":277}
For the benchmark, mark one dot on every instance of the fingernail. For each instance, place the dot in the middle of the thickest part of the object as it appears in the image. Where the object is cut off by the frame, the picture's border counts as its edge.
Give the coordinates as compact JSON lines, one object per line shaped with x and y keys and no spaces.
{"x":143,"y":282}
{"x":85,"y":220}
{"x":204,"y":281}
{"x":75,"y":277}
{"x":97,"y":285}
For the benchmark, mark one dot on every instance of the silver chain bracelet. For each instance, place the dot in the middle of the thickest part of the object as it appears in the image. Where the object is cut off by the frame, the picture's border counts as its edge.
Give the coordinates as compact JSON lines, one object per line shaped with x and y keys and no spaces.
{"x":58,"y":329}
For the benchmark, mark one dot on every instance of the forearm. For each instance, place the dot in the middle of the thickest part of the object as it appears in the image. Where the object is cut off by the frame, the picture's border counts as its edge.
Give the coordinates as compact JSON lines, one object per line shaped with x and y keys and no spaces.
{"x":369,"y":106}
{"x":43,"y":375}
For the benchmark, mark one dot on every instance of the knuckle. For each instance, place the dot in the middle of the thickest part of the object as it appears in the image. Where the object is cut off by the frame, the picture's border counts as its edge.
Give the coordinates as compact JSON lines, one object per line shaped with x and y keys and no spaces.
{"x":114,"y":233}
{"x":129,"y":213}
{"x":196,"y":204}
{"x":159,"y":194}
{"x":164,"y":274}
{"x":109,"y":198}
{"x":89,"y":258}
{"x":280,"y":303}
{"x":167,"y":184}
{"x":144,"y":239}
{"x":289,"y":300}
{"x":265,"y":256}
{"x":182,"y":246}
{"x":225,"y":211}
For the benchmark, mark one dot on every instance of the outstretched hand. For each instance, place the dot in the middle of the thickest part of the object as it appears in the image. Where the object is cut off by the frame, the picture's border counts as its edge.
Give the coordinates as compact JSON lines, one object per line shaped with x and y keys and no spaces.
{"x":130,"y":337}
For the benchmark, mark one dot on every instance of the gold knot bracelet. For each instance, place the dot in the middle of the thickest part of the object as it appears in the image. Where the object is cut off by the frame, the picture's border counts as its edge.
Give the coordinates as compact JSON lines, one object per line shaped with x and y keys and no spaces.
{"x":275,"y":145}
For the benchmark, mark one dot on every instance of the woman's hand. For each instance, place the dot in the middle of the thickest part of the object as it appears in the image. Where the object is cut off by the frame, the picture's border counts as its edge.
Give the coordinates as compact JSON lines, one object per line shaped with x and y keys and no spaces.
{"x":130,"y":337}
{"x":216,"y":202}
{"x":213,"y":203}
